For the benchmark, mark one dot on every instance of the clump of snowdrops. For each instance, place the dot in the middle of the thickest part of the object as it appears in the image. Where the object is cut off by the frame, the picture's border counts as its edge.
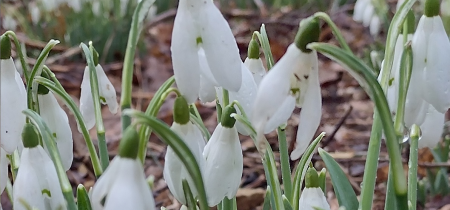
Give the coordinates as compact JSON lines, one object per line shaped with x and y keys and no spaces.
{"x":203,"y":170}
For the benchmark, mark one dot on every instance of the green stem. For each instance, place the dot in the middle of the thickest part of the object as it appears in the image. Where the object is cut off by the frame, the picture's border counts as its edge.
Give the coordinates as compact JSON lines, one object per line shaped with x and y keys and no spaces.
{"x":22,"y":55}
{"x":413,"y":158}
{"x":337,"y":33}
{"x":241,"y":109}
{"x":284,"y":159}
{"x":127,"y":73}
{"x":79,"y":118}
{"x":14,"y":160}
{"x":54,"y":154}
{"x":201,"y":125}
{"x":152,"y":110}
{"x":391,"y":199}
{"x":227,"y":204}
{"x":32,"y":98}
{"x":370,"y":169}
{"x":103,"y":150}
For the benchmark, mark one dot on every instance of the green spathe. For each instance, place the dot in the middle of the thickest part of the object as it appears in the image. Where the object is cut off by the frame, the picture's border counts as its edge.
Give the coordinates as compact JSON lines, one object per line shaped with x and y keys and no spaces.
{"x":308,"y":32}
{"x":311,"y":178}
{"x":181,"y":111}
{"x":5,"y":47}
{"x":432,"y":8}
{"x":253,"y":49}
{"x":30,"y":136}
{"x":227,"y":121}
{"x":129,"y":144}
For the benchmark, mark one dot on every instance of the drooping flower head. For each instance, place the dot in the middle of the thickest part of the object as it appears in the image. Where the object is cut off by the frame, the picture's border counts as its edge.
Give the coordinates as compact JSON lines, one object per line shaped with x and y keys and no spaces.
{"x":37,"y":183}
{"x":294,"y":80}
{"x":224,"y":160}
{"x":13,"y":99}
{"x":312,"y":196}
{"x":199,"y":25}
{"x":107,"y":94}
{"x":365,"y":12}
{"x":174,"y":169}
{"x":123,"y":184}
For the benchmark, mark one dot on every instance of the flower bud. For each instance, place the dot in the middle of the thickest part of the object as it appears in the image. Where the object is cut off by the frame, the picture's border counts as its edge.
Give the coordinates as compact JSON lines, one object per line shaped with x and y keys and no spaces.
{"x":308,"y":32}
{"x":228,"y":121}
{"x":5,"y":47}
{"x":128,"y":147}
{"x":432,"y":8}
{"x":30,"y":136}
{"x":181,"y":111}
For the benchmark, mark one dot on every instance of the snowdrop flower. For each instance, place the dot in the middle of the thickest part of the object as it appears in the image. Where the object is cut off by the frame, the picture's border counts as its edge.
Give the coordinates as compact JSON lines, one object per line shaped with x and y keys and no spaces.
{"x":37,"y":182}
{"x":394,"y":77}
{"x":123,"y":185}
{"x":106,"y":91}
{"x":13,"y":99}
{"x":365,"y":12}
{"x":58,"y":123}
{"x":3,"y":170}
{"x":427,"y":103}
{"x":312,"y":196}
{"x":174,"y":170}
{"x":252,"y":73}
{"x":224,"y":160}
{"x":431,"y":50}
{"x":294,"y":78}
{"x":9,"y":23}
{"x":200,"y":25}
{"x":35,"y":12}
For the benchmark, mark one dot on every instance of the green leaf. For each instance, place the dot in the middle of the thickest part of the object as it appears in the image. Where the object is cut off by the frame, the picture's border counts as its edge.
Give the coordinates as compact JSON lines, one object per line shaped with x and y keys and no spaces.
{"x":183,"y":152}
{"x":264,"y":40}
{"x":191,"y":204}
{"x":342,"y":187}
{"x":287,"y":204}
{"x":83,"y":201}
{"x":302,"y":167}
{"x":266,"y":204}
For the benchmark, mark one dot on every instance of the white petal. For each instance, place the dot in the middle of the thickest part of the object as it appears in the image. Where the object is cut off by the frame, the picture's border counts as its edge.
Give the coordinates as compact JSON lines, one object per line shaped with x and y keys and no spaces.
{"x":57,"y":121}
{"x":432,"y":128}
{"x":312,"y":198}
{"x":369,"y":11}
{"x":86,"y":101}
{"x":185,"y":59}
{"x":300,"y":79}
{"x":106,"y":90}
{"x":358,"y":11}
{"x":26,"y":186}
{"x":310,"y":115}
{"x":375,"y":25}
{"x":283,"y":113}
{"x":437,"y":71}
{"x":257,"y":68}
{"x":103,"y":185}
{"x":205,"y":71}
{"x":224,"y":164}
{"x":207,"y":90}
{"x":130,"y":190}
{"x":174,"y":170}
{"x":13,"y":102}
{"x":220,"y":47}
{"x":274,"y":88}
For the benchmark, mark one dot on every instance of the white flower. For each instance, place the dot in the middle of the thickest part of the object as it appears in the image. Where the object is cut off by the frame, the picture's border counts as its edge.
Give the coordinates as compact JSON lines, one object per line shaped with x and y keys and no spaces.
{"x":106,"y":91}
{"x":293,"y":80}
{"x":13,"y":102}
{"x":257,"y":68}
{"x":313,"y":198}
{"x":394,"y":77}
{"x":431,"y":128}
{"x":122,"y":186}
{"x":35,"y":13}
{"x":431,"y":63}
{"x":3,"y":170}
{"x":365,"y":12}
{"x":224,"y":164}
{"x":37,"y":182}
{"x":199,"y":24}
{"x":174,"y":170}
{"x":9,"y":23}
{"x":58,"y":123}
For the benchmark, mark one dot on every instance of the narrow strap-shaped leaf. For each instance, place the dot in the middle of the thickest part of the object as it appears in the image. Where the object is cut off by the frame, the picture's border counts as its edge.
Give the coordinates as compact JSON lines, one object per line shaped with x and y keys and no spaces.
{"x":342,"y":187}
{"x":83,"y":201}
